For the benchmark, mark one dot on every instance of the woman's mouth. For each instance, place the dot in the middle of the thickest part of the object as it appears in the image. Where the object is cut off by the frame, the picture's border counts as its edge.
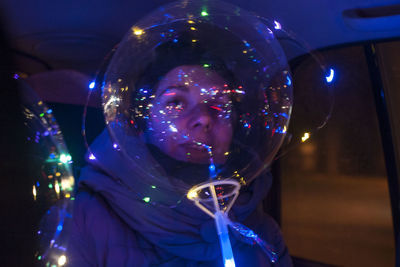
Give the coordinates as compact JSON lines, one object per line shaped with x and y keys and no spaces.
{"x":196,"y":146}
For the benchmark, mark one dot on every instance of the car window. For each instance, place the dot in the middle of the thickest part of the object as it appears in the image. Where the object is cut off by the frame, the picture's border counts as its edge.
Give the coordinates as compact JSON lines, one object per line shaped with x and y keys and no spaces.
{"x":335,"y":198}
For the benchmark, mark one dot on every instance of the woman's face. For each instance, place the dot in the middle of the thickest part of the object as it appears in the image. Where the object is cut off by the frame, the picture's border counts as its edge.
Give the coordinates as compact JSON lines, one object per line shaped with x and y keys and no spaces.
{"x":190,"y":112}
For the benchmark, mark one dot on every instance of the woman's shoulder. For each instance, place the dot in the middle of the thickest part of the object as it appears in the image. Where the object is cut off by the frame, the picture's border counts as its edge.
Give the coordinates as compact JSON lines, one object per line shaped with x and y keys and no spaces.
{"x":89,"y":206}
{"x":99,"y":235}
{"x":94,"y":214}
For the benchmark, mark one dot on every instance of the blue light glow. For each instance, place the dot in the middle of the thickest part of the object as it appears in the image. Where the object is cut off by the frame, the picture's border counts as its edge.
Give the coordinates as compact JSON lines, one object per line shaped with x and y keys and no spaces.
{"x":59,"y":228}
{"x":212,"y":167}
{"x":92,"y":157}
{"x":229,"y":263}
{"x":92,"y":85}
{"x":284,"y":115}
{"x":223,"y":234}
{"x":288,"y":81}
{"x":330,"y":77}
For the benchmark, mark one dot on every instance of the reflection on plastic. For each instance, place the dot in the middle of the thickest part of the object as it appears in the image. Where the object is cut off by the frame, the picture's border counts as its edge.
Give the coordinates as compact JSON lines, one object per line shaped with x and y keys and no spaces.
{"x":219,"y":104}
{"x":54,"y":185}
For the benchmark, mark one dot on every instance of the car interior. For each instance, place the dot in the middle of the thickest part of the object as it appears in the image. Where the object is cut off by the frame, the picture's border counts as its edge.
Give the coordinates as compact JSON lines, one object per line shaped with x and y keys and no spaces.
{"x":335,"y":195}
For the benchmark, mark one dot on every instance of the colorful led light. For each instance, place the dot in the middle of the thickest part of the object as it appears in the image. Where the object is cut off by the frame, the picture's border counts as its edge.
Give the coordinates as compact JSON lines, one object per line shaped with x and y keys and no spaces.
{"x":64,"y":158}
{"x":138,"y":31}
{"x":288,"y":81}
{"x":192,"y":194}
{"x":62,"y":260}
{"x":277,"y":25}
{"x":34,"y":192}
{"x":92,"y":85}
{"x":305,"y":137}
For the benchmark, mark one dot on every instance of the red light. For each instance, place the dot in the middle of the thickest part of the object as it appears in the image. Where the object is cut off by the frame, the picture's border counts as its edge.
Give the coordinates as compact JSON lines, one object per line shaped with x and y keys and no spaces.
{"x":217,"y":108}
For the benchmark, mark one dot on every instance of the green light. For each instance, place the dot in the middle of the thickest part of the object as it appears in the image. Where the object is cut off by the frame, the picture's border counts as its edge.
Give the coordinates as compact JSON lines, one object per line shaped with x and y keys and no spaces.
{"x":39,"y":258}
{"x":206,"y":65}
{"x":153,"y":186}
{"x":41,"y":114}
{"x":204,"y":13}
{"x":146,"y":199}
{"x":64,"y":158}
{"x":72,"y":198}
{"x":50,"y":186}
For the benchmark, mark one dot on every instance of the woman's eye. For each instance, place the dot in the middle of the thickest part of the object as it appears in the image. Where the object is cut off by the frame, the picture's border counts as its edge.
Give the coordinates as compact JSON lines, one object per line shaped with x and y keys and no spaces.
{"x":221,"y":107}
{"x":175,"y":104}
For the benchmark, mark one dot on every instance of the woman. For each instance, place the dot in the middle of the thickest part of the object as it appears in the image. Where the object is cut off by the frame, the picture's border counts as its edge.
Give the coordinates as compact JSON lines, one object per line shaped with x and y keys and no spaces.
{"x":184,"y":117}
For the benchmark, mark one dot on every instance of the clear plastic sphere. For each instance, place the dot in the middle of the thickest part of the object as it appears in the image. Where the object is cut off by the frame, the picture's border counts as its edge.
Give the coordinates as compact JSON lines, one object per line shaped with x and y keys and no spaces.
{"x":51,"y":177}
{"x":202,"y":83}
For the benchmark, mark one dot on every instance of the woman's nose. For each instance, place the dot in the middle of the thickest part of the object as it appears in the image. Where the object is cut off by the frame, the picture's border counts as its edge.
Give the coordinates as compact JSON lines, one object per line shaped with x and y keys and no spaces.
{"x":201,"y":119}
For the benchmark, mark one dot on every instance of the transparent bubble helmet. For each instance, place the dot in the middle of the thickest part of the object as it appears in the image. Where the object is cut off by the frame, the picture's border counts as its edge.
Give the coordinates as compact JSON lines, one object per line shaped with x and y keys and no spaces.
{"x":202,"y":82}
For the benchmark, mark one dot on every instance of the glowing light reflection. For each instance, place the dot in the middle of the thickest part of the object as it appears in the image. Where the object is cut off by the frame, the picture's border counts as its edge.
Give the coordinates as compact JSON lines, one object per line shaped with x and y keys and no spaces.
{"x":288,"y":81}
{"x":34,"y":192}
{"x":92,"y":85}
{"x":62,"y":260}
{"x":57,"y":188}
{"x":305,"y":137}
{"x":229,"y":263}
{"x":192,"y":194}
{"x":64,"y":158}
{"x":330,"y":77}
{"x":277,"y":26}
{"x":173,"y":128}
{"x":204,"y":13}
{"x":137,"y":31}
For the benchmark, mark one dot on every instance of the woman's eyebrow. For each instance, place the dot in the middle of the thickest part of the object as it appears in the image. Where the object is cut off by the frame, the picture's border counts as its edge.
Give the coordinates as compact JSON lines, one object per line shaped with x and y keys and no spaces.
{"x":174,"y":87}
